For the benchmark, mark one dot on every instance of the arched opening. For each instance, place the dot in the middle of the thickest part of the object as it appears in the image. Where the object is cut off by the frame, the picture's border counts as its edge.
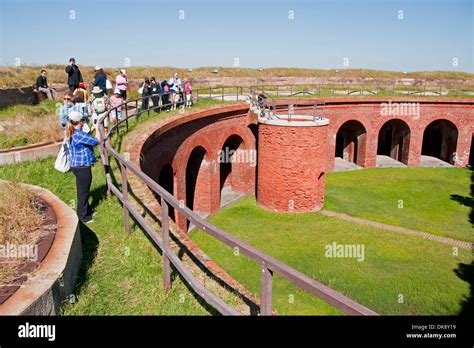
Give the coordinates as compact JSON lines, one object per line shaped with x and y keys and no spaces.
{"x":166,"y":180}
{"x":394,"y":140}
{"x":198,"y":181}
{"x":234,"y":163}
{"x":440,"y":140}
{"x":351,"y":142}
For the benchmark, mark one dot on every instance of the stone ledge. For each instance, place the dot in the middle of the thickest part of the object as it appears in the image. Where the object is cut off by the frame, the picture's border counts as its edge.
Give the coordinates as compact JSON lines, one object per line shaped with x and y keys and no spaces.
{"x":54,"y":280}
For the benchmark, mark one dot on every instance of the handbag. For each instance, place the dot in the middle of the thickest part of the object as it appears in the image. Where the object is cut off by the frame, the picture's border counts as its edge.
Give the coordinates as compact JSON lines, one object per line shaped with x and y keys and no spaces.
{"x":62,"y":163}
{"x":140,"y":90}
{"x":108,"y":84}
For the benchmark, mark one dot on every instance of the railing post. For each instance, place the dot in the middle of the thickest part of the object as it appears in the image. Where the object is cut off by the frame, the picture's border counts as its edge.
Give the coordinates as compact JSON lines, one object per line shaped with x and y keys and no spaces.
{"x":266,"y":280}
{"x":166,"y":240}
{"x":210,"y":92}
{"x":126,"y":216}
{"x":126,"y":116}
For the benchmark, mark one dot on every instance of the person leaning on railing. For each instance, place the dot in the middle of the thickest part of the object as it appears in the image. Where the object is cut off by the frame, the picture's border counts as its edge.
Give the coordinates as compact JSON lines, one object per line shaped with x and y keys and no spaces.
{"x":81,"y":151}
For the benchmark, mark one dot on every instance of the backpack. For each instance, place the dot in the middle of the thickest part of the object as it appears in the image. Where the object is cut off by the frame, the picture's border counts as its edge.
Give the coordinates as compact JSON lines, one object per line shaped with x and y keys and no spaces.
{"x":99,"y":105}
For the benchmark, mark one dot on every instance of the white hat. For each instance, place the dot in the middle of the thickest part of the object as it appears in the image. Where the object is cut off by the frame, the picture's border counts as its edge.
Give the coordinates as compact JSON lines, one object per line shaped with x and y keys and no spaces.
{"x":123,"y":71}
{"x":116,"y":91}
{"x":96,"y":90}
{"x":97,"y":67}
{"x":75,"y":116}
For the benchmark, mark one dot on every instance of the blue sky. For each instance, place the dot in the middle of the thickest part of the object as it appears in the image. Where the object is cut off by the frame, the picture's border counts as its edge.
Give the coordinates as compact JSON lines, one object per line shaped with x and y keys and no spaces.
{"x":322,"y":34}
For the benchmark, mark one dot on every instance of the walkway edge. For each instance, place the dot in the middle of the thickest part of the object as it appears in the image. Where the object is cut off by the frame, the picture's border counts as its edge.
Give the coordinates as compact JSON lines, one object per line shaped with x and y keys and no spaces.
{"x":399,"y":229}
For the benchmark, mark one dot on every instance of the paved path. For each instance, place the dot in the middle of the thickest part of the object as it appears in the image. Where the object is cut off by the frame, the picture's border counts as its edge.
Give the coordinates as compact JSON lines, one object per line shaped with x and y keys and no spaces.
{"x":399,"y":229}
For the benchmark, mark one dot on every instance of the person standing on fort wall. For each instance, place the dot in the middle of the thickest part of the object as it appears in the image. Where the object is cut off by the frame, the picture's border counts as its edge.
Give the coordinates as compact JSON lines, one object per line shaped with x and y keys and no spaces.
{"x":121,"y":83}
{"x":74,"y":75}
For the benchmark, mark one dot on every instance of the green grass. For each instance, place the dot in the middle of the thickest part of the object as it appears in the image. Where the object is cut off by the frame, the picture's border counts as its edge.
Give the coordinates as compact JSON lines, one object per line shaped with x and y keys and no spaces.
{"x":423,"y":272}
{"x":426,"y":199}
{"x":121,"y":274}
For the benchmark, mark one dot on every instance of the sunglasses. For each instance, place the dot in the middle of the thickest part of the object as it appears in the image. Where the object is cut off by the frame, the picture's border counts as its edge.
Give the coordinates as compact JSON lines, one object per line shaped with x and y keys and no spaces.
{"x":67,"y":99}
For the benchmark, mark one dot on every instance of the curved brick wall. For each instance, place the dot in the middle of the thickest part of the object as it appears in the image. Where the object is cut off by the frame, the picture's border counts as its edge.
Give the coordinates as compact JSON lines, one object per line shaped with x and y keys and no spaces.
{"x":291,"y":167}
{"x":165,"y":150}
{"x":368,"y":111}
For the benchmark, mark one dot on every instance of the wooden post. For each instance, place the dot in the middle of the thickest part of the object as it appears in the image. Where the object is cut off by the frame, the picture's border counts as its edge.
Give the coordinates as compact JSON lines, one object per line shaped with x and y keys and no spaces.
{"x":126,"y":216}
{"x":126,"y":116}
{"x":166,"y":240}
{"x":265,"y":291}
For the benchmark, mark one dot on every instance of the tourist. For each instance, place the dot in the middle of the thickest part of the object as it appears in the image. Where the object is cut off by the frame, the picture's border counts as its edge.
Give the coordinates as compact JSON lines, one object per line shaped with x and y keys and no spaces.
{"x":121,"y":83}
{"x":188,"y":90}
{"x":155,"y":94}
{"x":74,"y":75}
{"x":100,"y":79}
{"x":175,"y":90}
{"x":42,"y":86}
{"x":98,"y":105}
{"x":115,"y":102}
{"x":146,"y":92}
{"x":69,"y":105}
{"x":165,"y":95}
{"x":80,"y":96}
{"x":81,"y":150}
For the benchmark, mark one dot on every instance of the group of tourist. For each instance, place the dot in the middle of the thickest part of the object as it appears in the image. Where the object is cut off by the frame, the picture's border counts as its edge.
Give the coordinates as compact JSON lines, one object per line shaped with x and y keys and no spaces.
{"x":80,"y":106}
{"x":169,"y":94}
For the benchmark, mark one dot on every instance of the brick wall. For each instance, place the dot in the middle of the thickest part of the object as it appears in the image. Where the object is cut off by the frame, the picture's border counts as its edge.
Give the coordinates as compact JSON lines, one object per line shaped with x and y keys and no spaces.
{"x":173,"y":141}
{"x":291,"y":167}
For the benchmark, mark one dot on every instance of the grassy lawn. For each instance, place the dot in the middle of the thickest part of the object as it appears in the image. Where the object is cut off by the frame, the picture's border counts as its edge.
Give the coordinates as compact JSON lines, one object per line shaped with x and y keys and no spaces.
{"x":434,"y":200}
{"x":394,"y":266}
{"x":120,"y":274}
{"x":29,"y":124}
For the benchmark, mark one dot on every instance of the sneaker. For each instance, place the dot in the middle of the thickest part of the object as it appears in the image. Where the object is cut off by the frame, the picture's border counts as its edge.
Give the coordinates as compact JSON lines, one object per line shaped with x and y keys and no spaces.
{"x":88,"y":219}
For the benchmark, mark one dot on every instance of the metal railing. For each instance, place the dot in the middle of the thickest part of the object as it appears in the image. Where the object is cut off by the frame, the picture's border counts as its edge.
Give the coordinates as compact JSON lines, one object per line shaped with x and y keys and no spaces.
{"x":268,"y":264}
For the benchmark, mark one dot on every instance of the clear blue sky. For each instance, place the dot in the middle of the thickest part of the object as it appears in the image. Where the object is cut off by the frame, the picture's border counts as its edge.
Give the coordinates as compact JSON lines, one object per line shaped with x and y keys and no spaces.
{"x":259,"y":33}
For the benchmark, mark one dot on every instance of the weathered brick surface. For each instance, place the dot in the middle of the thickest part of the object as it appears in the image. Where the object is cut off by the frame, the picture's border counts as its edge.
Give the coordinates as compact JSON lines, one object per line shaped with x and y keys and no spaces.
{"x":173,"y":141}
{"x":291,"y":167}
{"x":367,"y":111}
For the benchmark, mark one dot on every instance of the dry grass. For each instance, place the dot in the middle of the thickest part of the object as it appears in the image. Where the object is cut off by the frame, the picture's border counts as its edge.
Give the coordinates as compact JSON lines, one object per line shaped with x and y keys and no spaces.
{"x":26,"y":75}
{"x":29,"y":124}
{"x":20,"y":218}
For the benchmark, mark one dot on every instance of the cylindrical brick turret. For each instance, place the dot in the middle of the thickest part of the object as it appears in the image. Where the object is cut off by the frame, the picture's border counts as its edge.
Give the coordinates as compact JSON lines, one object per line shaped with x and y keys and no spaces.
{"x":292,"y":164}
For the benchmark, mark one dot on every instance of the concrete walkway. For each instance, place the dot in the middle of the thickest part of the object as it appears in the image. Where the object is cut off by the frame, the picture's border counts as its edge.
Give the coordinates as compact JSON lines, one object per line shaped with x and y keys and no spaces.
{"x":388,"y":162}
{"x":341,"y":165}
{"x":433,"y":162}
{"x":399,"y":229}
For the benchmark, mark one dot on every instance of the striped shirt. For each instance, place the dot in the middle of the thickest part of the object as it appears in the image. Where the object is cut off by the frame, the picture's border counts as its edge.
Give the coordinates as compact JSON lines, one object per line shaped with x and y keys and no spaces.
{"x":81,"y":149}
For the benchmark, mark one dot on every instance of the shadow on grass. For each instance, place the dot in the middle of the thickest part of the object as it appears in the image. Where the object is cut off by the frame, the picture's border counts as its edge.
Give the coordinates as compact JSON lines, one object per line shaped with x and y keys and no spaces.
{"x":90,"y":244}
{"x":465,"y":271}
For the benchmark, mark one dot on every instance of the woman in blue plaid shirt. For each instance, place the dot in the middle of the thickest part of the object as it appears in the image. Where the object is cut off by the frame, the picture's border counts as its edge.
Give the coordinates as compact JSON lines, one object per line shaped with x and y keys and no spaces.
{"x":81,"y":151}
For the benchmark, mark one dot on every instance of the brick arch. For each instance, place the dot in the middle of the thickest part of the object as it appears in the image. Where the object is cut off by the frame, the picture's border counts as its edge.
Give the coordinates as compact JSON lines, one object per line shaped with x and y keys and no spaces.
{"x":244,"y":132}
{"x":394,"y":140}
{"x":237,"y":172}
{"x":440,"y":139}
{"x":351,"y":142}
{"x":202,"y":195}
